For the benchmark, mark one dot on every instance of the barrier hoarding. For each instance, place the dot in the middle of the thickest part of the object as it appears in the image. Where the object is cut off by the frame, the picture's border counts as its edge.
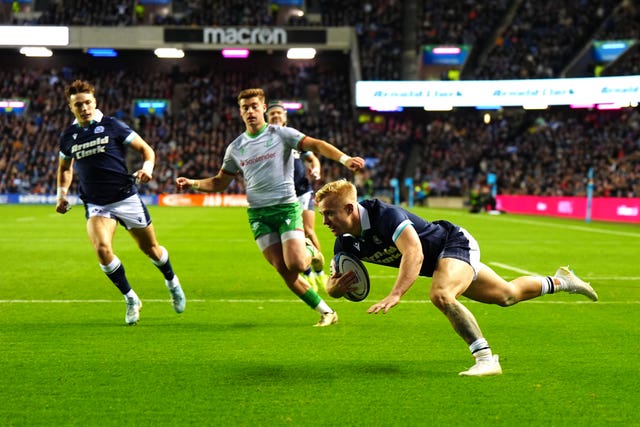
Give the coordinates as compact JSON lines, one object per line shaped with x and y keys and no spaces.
{"x":616,"y":209}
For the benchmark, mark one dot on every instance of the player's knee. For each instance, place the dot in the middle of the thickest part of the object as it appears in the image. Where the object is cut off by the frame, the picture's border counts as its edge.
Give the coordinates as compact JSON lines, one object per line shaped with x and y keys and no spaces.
{"x":297,"y":265}
{"x":104,"y":251}
{"x":441,"y":299}
{"x":507,"y":299}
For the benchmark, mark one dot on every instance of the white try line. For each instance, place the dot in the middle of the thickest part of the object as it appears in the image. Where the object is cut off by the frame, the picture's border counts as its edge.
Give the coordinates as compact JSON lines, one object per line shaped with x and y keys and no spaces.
{"x":281,"y":301}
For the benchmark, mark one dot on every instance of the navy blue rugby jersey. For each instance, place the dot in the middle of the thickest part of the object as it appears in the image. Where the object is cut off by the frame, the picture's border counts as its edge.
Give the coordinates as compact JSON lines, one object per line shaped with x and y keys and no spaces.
{"x":302,"y":183}
{"x":382,"y":223}
{"x":99,"y":153}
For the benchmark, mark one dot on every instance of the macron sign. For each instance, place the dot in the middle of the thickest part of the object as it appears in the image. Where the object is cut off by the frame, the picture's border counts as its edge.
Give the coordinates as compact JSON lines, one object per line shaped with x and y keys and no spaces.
{"x":244,"y":35}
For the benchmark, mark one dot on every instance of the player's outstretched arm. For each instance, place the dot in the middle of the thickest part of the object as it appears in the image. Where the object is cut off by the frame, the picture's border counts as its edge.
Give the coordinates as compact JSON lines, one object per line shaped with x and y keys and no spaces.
{"x":207,"y":185}
{"x":409,"y":245}
{"x":329,"y":151}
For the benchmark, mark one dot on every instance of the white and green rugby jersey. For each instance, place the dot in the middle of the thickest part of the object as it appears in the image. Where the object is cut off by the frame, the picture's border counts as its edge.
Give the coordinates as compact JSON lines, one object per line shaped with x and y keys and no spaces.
{"x":266,"y":161}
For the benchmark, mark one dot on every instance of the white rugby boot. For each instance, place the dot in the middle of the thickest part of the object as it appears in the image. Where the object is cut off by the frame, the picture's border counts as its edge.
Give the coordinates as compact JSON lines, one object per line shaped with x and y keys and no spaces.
{"x":133,"y":310}
{"x":484,"y":368}
{"x":178,"y":300}
{"x":575,"y":285}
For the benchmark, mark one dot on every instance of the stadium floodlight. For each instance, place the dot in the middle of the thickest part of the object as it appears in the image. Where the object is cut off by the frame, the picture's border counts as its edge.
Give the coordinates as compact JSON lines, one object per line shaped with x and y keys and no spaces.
{"x":102,"y":52}
{"x":301,"y":53}
{"x":610,"y":106}
{"x":438,"y":107}
{"x":235,"y":53}
{"x":382,"y":108}
{"x":17,"y":35}
{"x":576,"y":106}
{"x":445,"y":50}
{"x":42,"y":52}
{"x":535,"y":106}
{"x":169,"y":52}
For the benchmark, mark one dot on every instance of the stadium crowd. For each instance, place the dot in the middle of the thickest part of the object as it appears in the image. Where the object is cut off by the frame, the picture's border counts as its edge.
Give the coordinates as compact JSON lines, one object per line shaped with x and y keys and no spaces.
{"x":533,"y":152}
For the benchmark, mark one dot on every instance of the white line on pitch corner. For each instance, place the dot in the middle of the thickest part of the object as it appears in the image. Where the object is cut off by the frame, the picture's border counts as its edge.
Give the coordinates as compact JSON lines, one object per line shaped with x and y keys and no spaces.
{"x":81,"y":301}
{"x":512,"y":268}
{"x":292,"y":301}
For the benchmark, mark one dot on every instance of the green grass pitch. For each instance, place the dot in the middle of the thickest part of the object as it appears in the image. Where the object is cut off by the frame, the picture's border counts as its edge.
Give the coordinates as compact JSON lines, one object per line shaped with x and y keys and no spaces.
{"x":244,"y":353}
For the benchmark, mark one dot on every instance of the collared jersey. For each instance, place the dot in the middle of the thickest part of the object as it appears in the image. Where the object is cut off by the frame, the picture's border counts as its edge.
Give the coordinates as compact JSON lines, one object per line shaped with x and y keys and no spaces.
{"x":302,"y":183}
{"x":266,"y":161}
{"x":382,"y":223}
{"x":99,"y":157}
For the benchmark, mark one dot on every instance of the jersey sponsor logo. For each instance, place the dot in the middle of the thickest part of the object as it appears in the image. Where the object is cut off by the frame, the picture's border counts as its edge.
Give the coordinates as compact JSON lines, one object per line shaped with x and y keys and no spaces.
{"x":259,"y":159}
{"x":385,"y":257}
{"x":86,"y":149}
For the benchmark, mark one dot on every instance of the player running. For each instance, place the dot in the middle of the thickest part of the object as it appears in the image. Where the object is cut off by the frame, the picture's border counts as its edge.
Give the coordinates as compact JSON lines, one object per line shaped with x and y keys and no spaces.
{"x":96,"y":145}
{"x":263,"y":154}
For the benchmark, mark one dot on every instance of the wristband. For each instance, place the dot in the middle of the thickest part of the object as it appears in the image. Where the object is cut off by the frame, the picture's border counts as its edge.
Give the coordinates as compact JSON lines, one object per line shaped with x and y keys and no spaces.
{"x":148,"y":167}
{"x":344,"y":158}
{"x":195,"y":184}
{"x":61,"y":192}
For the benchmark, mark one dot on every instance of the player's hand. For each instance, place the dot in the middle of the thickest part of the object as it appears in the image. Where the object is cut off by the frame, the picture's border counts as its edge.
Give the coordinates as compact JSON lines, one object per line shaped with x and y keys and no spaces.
{"x":63,"y":206}
{"x":184,"y":184}
{"x":314,"y":173}
{"x":142,"y":176}
{"x":339,"y":284}
{"x":384,"y":305}
{"x":354,"y":164}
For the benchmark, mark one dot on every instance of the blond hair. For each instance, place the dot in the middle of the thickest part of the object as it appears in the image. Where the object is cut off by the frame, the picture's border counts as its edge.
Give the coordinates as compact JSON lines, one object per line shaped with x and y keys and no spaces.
{"x":252,"y":93}
{"x":340,"y":188}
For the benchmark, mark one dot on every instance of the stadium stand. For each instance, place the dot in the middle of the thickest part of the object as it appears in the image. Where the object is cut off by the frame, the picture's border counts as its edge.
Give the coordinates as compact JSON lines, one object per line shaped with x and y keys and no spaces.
{"x":532,"y":152}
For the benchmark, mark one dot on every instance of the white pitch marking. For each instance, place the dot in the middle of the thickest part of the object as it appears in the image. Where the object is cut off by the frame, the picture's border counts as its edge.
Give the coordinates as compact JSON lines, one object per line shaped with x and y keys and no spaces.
{"x":512,"y":268}
{"x":290,"y":301}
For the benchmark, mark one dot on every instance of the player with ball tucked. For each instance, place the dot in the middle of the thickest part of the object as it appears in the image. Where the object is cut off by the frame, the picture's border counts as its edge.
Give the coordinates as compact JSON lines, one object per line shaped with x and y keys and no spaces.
{"x":380,"y":233}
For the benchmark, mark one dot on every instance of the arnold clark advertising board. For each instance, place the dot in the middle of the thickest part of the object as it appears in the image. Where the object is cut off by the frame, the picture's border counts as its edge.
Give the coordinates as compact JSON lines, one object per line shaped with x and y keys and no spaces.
{"x":623,"y":91}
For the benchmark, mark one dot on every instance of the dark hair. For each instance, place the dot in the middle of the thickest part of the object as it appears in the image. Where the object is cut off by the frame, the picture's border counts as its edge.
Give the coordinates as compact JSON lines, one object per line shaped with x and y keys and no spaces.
{"x":275,"y":104}
{"x":79,"y":86}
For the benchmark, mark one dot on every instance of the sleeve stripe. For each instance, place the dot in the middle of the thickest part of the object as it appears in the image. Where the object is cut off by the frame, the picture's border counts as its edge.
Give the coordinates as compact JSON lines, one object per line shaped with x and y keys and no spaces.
{"x":131,"y":137}
{"x":400,"y":229}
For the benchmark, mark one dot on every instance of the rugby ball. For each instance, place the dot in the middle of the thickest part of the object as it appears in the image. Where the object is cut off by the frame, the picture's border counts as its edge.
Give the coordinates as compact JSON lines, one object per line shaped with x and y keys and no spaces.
{"x":343,"y":262}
